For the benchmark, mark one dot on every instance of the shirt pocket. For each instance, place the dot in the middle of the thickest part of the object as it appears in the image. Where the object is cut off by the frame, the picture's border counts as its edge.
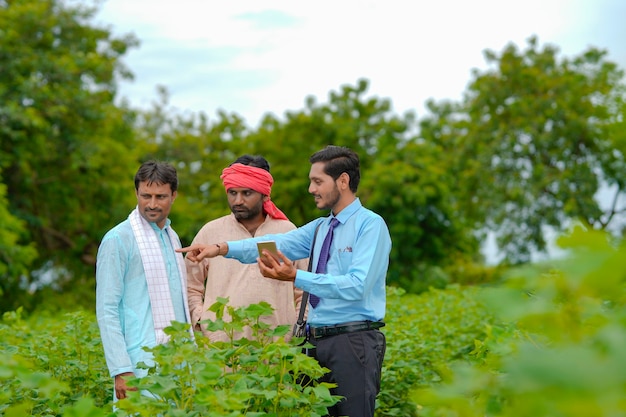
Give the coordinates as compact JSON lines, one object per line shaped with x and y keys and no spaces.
{"x":344,"y":257}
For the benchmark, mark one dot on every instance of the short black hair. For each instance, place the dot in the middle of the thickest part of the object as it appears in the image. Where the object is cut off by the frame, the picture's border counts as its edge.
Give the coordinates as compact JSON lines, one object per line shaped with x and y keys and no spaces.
{"x":157,"y":172}
{"x":254,"y":161}
{"x":339,"y":159}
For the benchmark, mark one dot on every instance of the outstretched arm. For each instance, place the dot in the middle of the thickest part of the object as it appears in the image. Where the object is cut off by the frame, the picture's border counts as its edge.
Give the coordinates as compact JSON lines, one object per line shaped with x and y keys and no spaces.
{"x":199,"y":251}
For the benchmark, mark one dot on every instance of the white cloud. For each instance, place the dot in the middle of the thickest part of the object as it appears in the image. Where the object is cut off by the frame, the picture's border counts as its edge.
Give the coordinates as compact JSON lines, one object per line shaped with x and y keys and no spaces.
{"x":216,"y":55}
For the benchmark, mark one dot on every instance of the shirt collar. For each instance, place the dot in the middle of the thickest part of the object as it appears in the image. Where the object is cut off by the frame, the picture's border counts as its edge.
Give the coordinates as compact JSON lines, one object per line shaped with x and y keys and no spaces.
{"x":348,"y":211}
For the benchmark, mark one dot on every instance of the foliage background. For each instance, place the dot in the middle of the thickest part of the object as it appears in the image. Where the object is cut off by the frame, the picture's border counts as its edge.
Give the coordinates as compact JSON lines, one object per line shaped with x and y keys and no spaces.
{"x":534,"y":139}
{"x":527,"y":149}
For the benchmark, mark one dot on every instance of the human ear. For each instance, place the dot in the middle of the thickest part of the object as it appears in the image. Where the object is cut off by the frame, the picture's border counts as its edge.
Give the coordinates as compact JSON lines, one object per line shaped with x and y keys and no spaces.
{"x":344,"y":180}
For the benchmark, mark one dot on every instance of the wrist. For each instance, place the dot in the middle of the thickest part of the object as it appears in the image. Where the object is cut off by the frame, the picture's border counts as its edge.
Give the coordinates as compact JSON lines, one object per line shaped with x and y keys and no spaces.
{"x":222,"y":248}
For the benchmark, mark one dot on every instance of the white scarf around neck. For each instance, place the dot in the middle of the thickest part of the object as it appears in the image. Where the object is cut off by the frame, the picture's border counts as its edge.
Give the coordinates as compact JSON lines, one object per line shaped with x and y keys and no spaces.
{"x":156,"y":275}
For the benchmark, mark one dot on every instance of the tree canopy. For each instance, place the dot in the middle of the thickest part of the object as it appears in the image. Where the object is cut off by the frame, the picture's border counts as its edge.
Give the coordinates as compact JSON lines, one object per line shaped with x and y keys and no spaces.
{"x":66,"y":149}
{"x":533,"y":140}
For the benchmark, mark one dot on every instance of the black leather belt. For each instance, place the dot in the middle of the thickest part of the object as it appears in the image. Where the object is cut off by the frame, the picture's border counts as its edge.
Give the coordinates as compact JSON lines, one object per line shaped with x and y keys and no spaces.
{"x":353,"y":326}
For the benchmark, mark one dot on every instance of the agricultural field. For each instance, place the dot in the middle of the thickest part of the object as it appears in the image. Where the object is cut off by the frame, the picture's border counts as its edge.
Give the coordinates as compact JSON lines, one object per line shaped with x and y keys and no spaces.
{"x":546,"y":341}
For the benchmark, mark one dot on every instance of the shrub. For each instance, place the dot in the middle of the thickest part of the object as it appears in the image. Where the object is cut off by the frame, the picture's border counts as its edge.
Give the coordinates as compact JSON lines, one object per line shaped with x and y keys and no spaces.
{"x":51,"y":367}
{"x":54,"y":364}
{"x":563,"y":355}
{"x":425,"y":332}
{"x":257,"y":377}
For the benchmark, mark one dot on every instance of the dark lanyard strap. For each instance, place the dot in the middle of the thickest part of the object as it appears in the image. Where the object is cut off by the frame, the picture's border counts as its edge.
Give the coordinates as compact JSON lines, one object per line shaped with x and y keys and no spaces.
{"x":305,"y":294}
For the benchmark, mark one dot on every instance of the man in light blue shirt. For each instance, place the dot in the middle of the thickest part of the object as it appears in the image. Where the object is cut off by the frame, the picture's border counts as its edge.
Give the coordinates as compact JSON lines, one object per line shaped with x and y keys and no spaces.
{"x":140,"y":279}
{"x":347,"y":294}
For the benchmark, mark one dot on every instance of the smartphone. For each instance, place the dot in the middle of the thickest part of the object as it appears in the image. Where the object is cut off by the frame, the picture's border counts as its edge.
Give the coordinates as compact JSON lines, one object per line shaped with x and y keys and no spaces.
{"x":268,"y":245}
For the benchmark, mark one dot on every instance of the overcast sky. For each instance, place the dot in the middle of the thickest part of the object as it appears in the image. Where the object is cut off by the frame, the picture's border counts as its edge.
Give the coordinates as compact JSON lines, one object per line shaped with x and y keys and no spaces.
{"x":252,"y":57}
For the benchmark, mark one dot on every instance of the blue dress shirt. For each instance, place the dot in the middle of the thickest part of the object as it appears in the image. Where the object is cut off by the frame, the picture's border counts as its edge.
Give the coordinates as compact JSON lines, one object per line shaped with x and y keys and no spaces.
{"x":353,"y":289}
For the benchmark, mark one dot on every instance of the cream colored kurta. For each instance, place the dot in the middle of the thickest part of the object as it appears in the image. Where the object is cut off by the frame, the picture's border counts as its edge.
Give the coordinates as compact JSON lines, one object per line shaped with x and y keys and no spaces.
{"x":243,"y":284}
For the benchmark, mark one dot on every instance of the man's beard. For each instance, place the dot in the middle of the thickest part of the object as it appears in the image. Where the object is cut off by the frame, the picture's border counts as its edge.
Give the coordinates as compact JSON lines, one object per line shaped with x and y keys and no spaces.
{"x":333,"y":199}
{"x":243,"y":213}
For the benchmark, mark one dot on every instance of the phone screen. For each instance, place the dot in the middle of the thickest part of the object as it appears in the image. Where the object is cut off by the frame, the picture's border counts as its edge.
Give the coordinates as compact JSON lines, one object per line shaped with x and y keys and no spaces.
{"x":268,"y":245}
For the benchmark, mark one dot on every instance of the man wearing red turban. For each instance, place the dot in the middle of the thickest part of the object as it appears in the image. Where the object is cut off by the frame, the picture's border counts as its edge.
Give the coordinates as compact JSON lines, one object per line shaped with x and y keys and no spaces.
{"x":248,"y":185}
{"x":258,"y":179}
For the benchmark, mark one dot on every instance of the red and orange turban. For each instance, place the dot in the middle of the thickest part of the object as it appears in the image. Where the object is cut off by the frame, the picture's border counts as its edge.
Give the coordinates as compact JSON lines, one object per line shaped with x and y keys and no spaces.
{"x":257,"y":179}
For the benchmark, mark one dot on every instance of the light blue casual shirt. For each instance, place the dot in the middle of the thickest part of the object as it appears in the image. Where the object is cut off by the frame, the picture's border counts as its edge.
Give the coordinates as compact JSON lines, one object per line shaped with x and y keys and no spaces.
{"x":353,"y":289}
{"x":122,"y":301}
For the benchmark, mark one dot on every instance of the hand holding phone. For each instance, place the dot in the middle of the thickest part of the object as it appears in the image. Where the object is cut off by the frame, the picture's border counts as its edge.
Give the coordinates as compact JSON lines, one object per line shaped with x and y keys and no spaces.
{"x":270,"y":246}
{"x":283,"y":269}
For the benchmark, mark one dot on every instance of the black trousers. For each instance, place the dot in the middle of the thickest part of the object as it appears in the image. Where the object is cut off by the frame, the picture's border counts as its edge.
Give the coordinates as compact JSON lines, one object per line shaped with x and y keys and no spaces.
{"x":355,"y":361}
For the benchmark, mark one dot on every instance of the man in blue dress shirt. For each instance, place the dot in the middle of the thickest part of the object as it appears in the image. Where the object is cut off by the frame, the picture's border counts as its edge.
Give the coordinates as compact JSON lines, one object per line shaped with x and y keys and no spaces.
{"x":349,"y":297}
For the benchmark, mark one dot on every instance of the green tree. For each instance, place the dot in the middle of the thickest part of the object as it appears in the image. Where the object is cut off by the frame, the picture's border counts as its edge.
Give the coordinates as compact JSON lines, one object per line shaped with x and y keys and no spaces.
{"x":15,"y":258}
{"x":532,"y":142}
{"x":65,"y":148}
{"x":412,"y":191}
